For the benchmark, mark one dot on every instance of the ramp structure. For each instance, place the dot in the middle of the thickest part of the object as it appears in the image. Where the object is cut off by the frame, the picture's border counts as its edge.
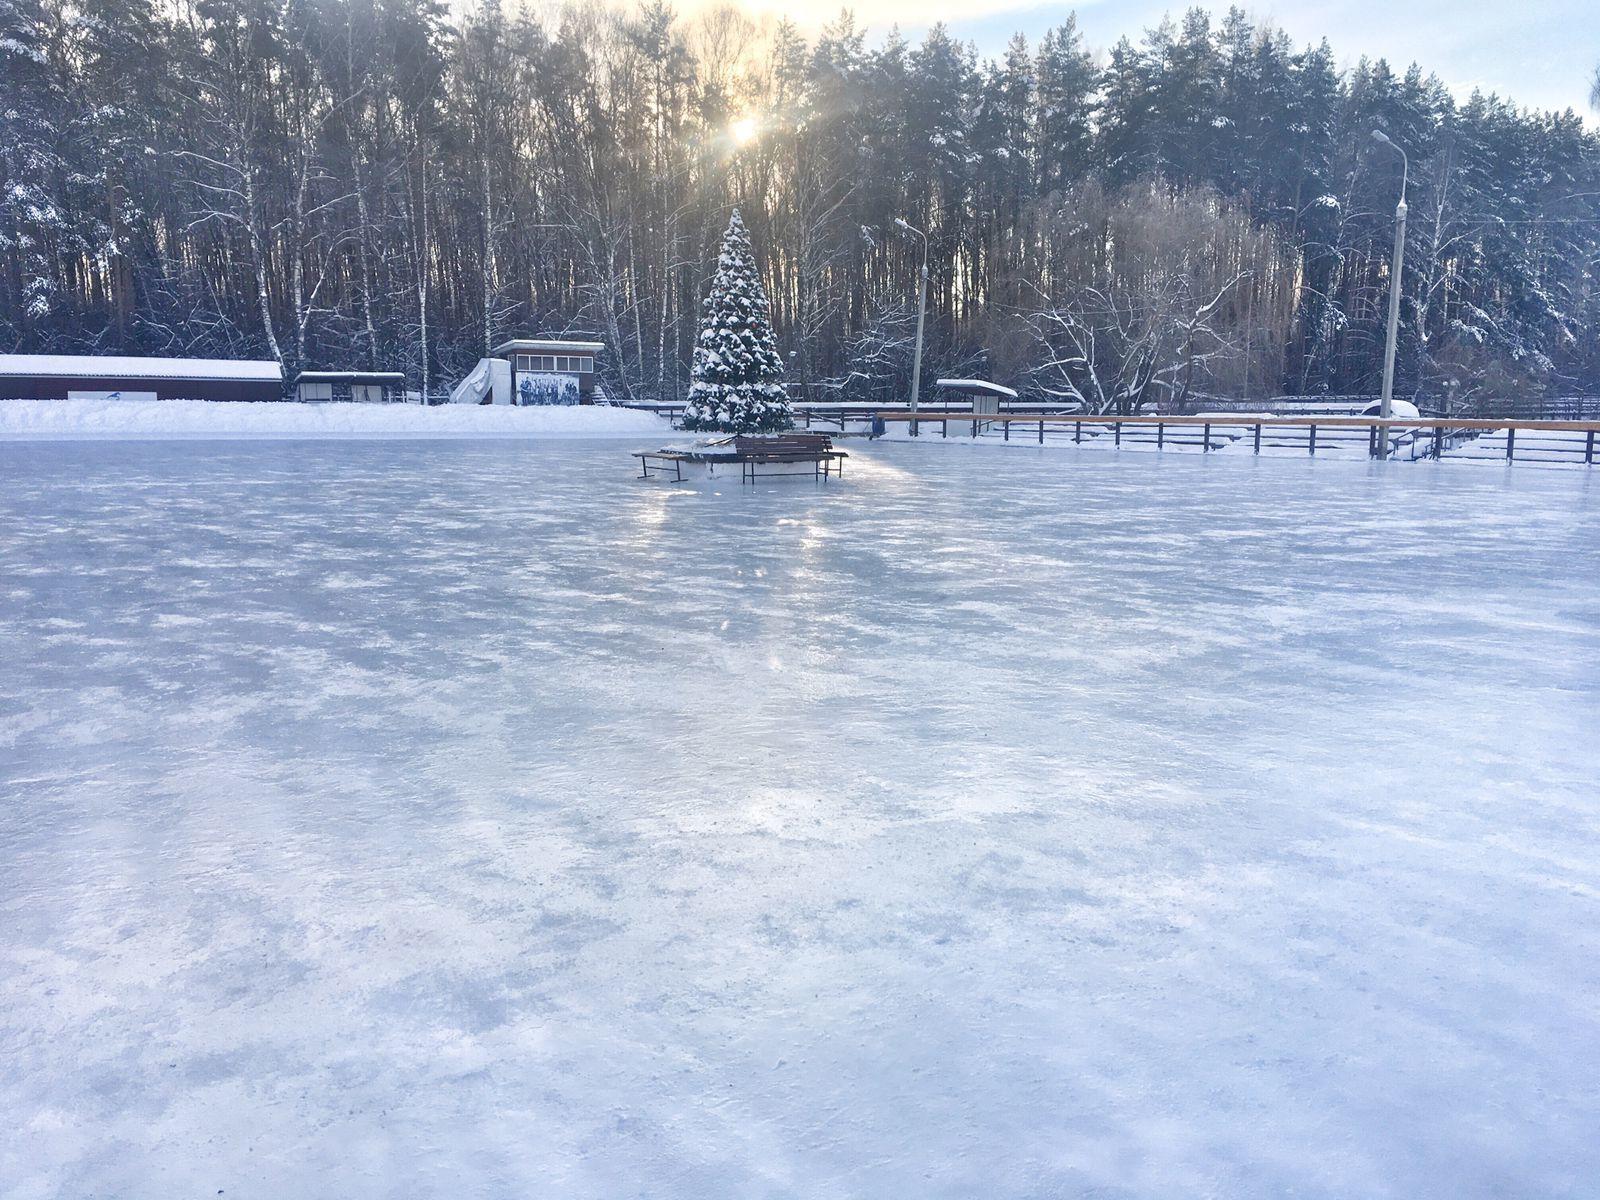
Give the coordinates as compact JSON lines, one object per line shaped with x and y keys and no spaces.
{"x":487,"y":383}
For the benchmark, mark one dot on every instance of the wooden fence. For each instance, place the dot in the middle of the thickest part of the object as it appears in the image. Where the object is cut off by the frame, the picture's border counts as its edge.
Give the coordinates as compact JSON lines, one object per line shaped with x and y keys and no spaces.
{"x":1427,"y":437}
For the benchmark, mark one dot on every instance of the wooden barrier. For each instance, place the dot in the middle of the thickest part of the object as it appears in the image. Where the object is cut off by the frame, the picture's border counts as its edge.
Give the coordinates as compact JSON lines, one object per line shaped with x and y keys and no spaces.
{"x":1245,"y":419}
{"x":1379,"y":445}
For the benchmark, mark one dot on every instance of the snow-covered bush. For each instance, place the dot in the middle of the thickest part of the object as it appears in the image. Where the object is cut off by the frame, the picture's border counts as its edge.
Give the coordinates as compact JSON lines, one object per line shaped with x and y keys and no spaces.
{"x":736,"y":381}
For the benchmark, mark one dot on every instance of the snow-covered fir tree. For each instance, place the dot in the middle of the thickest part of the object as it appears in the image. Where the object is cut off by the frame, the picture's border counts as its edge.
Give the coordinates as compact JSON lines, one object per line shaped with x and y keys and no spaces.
{"x":736,"y":383}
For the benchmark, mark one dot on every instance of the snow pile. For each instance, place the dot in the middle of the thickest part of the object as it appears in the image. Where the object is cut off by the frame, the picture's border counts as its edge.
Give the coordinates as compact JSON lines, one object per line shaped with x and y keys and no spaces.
{"x":200,"y":418}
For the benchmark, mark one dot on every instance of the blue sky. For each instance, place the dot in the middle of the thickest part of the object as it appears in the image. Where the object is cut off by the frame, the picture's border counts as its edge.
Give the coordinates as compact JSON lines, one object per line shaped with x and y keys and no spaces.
{"x":1540,"y":53}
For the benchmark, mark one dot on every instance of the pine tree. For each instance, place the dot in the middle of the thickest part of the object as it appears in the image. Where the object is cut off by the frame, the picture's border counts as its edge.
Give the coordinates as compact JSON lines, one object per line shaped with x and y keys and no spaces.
{"x":32,"y":219}
{"x":736,"y":384}
{"x":1067,"y":80}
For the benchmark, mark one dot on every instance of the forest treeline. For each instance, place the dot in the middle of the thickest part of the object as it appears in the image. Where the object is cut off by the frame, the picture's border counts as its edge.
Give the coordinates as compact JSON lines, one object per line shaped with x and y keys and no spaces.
{"x":384,"y":183}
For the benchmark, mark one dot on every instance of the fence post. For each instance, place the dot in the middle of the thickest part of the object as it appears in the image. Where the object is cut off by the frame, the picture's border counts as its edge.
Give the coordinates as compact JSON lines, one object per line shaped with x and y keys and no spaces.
{"x":1313,"y":440}
{"x":1041,"y":432}
{"x":1511,"y":441}
{"x":1438,"y":441}
{"x":1258,"y":437}
{"x":1077,"y":431}
{"x":1006,"y":428}
{"x":1205,"y":438}
{"x":1117,"y":432}
{"x":1588,"y":450}
{"x":1161,"y":435}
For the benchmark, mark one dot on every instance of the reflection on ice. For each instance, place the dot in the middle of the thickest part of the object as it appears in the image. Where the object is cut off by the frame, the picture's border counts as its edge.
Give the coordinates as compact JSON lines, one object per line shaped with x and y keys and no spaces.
{"x":473,"y":819}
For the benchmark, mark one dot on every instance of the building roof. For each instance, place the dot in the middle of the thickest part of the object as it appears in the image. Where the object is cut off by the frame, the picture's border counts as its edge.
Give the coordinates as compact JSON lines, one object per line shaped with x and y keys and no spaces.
{"x":982,"y":386}
{"x":106,"y":366}
{"x":350,"y":377}
{"x":539,"y":345}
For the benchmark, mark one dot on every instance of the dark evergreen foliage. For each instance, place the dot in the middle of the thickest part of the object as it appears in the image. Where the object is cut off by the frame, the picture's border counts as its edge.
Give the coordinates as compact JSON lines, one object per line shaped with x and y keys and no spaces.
{"x":360,"y":182}
{"x":736,"y":382}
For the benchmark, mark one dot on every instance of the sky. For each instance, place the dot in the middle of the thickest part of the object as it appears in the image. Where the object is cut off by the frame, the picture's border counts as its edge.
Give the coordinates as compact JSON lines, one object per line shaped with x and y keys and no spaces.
{"x":1541,"y":53}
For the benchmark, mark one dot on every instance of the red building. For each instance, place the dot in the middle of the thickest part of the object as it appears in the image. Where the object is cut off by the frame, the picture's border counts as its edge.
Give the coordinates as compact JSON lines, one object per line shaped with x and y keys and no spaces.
{"x":105,"y":377}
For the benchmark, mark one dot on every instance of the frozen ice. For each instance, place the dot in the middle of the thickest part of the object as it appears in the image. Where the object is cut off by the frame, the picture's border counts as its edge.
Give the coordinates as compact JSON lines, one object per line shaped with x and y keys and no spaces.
{"x":471,"y":819}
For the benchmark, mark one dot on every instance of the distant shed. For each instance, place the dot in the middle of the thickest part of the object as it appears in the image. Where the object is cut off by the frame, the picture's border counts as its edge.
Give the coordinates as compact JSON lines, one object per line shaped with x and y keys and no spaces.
{"x":108,"y":377}
{"x":986,"y":396}
{"x":540,"y":359}
{"x":978,"y":389}
{"x":361,"y":387}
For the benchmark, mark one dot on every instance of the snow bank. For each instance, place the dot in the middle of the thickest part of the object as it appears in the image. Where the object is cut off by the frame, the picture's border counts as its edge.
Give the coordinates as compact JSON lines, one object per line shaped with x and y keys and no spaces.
{"x":72,"y":419}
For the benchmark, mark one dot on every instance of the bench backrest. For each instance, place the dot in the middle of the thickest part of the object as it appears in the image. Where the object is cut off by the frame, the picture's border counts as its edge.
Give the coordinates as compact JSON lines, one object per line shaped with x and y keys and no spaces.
{"x":785,"y":443}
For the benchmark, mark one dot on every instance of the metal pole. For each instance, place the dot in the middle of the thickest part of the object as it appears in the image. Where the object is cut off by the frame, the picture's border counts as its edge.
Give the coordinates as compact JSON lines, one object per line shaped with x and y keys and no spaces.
{"x":1386,"y":404}
{"x":916,"y":359}
{"x":922,"y":312}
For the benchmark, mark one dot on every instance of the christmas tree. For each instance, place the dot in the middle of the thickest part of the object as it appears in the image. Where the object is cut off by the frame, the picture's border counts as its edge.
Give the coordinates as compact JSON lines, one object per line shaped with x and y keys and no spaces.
{"x":736,"y":383}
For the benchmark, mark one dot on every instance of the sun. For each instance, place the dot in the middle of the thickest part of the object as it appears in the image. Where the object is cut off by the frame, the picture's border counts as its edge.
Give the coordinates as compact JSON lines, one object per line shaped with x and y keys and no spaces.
{"x":744,"y":131}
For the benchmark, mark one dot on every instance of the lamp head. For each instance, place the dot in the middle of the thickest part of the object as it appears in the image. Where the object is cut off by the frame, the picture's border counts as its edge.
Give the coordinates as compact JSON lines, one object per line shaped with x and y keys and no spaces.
{"x":900,"y":221}
{"x":1378,"y":135}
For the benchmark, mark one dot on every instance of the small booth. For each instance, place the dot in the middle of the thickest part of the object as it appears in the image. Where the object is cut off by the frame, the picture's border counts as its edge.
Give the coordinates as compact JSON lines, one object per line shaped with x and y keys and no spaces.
{"x":359,"y":387}
{"x":550,"y":370}
{"x":984,"y":396}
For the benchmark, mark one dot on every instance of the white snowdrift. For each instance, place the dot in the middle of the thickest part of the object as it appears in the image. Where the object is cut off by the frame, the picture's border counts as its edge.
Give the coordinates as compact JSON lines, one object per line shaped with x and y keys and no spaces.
{"x":72,"y":419}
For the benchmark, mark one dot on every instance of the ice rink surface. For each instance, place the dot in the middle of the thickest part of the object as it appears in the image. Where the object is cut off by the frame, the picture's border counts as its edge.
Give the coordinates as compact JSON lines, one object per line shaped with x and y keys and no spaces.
{"x":469,"y":819}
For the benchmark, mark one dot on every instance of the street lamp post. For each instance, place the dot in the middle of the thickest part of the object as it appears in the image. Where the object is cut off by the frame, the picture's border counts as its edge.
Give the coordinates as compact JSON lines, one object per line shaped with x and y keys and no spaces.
{"x":1380,"y":444}
{"x":922,"y":310}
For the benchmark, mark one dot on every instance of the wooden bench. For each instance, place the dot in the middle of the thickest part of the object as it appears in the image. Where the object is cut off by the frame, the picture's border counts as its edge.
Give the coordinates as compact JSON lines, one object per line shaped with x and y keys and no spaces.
{"x":814,"y":448}
{"x":750,"y":453}
{"x":663,"y":461}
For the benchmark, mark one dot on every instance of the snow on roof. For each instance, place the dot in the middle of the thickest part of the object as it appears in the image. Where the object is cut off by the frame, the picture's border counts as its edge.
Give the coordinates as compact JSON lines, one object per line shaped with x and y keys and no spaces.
{"x":105,"y":366}
{"x":525,"y":345}
{"x":977,"y":385}
{"x":354,"y":376}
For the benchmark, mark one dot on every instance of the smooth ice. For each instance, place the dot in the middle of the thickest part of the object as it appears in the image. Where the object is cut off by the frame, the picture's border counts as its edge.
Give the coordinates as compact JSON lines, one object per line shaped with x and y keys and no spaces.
{"x":465,"y":819}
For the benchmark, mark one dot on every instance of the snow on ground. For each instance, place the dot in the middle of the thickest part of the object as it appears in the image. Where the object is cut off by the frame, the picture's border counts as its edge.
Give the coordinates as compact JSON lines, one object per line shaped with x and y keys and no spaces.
{"x":1554,"y":446}
{"x":402,"y":819}
{"x":198,"y":418}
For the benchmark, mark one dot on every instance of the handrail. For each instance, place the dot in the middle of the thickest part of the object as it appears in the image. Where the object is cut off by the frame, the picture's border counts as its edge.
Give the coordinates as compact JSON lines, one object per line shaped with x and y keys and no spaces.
{"x":1385,"y":435}
{"x":1358,"y":422}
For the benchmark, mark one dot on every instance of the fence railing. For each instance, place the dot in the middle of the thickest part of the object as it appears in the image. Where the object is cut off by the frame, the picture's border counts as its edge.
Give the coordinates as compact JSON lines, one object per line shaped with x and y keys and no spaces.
{"x":839,"y":414}
{"x":1413,"y":437}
